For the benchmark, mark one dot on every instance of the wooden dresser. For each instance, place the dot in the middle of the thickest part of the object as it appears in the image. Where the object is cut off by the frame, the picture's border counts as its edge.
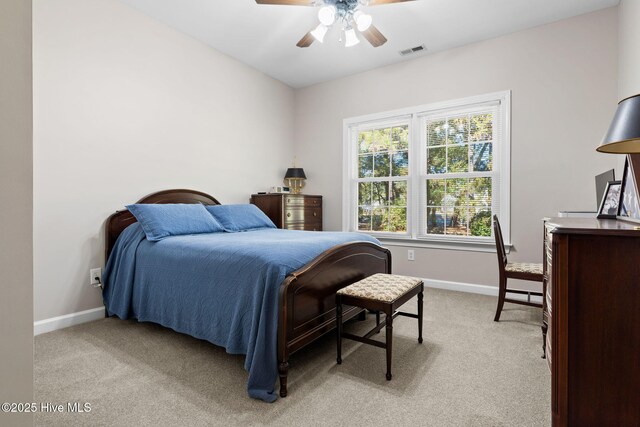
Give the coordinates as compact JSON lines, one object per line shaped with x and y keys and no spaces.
{"x":592,"y":306}
{"x":291,"y":211}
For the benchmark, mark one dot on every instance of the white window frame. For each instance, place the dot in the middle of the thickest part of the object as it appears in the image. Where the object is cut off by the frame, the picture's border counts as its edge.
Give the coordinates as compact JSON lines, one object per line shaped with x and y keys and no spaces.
{"x":416,"y":185}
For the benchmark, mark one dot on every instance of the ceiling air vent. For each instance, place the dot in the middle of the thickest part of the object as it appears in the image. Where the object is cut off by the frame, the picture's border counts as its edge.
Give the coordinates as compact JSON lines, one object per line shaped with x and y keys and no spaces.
{"x":412,"y":50}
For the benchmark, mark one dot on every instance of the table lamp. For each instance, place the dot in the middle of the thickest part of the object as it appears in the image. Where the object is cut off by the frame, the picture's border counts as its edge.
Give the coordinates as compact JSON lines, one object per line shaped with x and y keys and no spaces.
{"x":623,"y":136}
{"x":295,"y":179}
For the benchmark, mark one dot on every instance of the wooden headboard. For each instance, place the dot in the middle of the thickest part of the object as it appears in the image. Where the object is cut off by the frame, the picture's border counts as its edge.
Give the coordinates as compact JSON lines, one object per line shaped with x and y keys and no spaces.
{"x":120,"y":220}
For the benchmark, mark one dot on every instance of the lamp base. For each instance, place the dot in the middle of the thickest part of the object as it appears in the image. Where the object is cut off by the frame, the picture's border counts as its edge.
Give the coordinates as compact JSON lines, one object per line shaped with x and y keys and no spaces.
{"x":296,"y":184}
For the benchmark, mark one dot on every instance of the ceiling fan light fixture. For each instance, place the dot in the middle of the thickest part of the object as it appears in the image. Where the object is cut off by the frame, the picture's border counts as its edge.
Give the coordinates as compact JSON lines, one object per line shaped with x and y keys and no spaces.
{"x":320,"y":32}
{"x":327,"y":15}
{"x":363,"y":20}
{"x":350,"y":37}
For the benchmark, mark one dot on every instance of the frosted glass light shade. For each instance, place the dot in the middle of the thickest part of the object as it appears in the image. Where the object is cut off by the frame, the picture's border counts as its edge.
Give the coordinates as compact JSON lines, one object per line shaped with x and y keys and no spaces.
{"x":327,"y":15}
{"x":350,"y":37}
{"x":363,"y":21}
{"x":320,"y":32}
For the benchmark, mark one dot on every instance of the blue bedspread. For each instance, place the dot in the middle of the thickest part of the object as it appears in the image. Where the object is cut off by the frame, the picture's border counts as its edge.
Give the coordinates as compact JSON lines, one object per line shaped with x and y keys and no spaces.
{"x":221,"y":287}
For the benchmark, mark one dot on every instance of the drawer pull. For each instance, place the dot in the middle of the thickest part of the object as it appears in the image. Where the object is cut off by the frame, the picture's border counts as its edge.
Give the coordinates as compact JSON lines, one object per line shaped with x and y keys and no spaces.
{"x":315,"y":214}
{"x":288,"y":214}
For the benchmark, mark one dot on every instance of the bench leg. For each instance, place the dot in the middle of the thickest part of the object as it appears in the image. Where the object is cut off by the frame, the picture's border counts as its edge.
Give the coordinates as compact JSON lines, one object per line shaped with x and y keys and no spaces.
{"x":378,"y":319}
{"x":389,"y":332}
{"x":339,"y":328}
{"x":420,"y":312}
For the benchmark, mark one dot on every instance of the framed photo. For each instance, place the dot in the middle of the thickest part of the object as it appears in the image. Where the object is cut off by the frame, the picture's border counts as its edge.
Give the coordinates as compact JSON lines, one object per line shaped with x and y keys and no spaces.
{"x":610,"y":200}
{"x":629,"y":206}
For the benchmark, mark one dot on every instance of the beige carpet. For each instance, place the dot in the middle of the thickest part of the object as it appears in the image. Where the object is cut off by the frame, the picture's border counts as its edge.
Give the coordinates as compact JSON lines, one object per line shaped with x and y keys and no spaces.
{"x":470,"y":371}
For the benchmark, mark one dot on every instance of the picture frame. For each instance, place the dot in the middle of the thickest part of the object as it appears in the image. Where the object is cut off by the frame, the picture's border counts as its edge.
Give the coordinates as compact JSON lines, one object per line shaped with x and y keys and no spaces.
{"x":629,"y":206}
{"x":610,"y":200}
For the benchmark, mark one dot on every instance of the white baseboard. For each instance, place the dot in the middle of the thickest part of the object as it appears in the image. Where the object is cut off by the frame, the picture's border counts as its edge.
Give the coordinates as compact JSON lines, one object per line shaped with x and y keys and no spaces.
{"x":60,"y":322}
{"x":474,"y":289}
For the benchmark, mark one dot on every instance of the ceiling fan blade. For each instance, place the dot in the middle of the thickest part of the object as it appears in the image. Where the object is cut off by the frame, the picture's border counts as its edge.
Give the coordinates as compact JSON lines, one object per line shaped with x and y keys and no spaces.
{"x":374,"y":36}
{"x":379,"y":2}
{"x":306,"y":40}
{"x":288,"y":2}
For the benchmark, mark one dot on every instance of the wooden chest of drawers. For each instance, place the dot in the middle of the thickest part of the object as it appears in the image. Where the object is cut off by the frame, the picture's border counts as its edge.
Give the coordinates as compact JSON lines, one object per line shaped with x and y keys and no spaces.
{"x":592,"y":308}
{"x":291,"y":211}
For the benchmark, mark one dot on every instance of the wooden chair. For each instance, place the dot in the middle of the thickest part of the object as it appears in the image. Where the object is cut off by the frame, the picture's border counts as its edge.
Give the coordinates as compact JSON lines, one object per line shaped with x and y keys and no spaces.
{"x":514,"y":270}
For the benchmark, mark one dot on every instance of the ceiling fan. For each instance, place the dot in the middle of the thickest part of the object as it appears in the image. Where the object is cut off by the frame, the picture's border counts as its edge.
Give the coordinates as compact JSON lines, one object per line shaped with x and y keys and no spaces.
{"x":344,"y":11}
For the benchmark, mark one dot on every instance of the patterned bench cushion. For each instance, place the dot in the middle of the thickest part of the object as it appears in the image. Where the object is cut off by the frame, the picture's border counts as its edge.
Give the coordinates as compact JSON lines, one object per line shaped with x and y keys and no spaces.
{"x":523,"y":267}
{"x":381,"y":287}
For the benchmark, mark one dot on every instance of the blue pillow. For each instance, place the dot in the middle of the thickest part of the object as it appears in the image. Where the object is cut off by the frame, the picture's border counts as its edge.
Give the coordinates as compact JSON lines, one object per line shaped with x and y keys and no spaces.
{"x":163,"y":220}
{"x":240,"y":217}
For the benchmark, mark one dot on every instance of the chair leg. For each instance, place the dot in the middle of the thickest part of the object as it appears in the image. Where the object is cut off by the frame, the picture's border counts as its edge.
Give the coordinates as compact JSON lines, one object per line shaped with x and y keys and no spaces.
{"x":389,"y":333}
{"x":420,"y":312}
{"x":339,"y":329}
{"x":502,"y":290}
{"x":544,"y":340}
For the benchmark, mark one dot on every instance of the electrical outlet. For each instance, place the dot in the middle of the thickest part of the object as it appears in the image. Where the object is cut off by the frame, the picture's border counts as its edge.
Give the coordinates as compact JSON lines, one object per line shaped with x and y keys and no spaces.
{"x":411,"y":255}
{"x":95,"y":277}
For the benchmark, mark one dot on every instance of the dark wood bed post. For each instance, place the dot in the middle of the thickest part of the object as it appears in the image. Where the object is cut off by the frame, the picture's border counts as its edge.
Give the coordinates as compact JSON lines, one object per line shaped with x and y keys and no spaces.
{"x":307,"y":296}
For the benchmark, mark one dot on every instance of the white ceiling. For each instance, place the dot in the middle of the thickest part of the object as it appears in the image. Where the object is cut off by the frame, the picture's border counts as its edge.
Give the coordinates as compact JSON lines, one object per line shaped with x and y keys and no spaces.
{"x":265,"y":36}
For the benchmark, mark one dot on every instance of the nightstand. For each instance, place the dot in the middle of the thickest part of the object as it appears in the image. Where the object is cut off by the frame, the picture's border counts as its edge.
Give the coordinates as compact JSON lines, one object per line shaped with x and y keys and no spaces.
{"x":291,"y":211}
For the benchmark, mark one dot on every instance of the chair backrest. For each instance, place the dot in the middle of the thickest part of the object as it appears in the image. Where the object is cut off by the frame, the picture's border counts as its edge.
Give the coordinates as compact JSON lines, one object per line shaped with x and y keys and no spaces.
{"x":502,"y":254}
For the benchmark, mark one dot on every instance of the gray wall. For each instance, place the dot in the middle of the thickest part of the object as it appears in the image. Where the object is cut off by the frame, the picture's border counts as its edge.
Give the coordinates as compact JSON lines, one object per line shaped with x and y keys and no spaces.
{"x":124,"y":106}
{"x":16,"y":229}
{"x":563,"y":78}
{"x":629,"y":53}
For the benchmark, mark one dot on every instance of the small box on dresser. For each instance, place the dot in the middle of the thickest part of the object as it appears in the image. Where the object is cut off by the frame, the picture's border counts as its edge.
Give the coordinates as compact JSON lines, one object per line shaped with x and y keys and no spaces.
{"x":291,"y":211}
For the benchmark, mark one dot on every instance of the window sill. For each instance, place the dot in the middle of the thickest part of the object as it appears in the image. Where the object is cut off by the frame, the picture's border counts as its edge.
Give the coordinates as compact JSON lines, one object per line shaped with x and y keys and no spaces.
{"x":440,"y":244}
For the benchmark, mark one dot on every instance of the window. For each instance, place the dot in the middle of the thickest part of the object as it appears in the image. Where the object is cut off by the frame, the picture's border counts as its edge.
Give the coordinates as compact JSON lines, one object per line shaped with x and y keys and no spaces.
{"x":435,"y":173}
{"x":383,"y":171}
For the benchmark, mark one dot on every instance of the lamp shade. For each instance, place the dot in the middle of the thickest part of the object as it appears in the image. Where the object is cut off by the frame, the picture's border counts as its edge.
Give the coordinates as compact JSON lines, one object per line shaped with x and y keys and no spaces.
{"x":623,"y":136}
{"x":295,"y":173}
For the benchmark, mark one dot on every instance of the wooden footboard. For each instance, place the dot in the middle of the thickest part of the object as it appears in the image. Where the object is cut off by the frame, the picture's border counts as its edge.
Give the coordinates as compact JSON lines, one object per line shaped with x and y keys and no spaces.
{"x":307,"y":296}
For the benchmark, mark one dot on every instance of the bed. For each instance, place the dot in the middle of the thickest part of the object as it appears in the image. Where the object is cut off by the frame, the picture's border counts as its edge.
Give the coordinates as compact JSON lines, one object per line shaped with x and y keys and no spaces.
{"x":305,"y":296}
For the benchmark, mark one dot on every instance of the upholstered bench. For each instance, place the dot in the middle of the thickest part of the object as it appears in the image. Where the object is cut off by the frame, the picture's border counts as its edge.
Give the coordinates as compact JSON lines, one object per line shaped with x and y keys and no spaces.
{"x":380,"y":293}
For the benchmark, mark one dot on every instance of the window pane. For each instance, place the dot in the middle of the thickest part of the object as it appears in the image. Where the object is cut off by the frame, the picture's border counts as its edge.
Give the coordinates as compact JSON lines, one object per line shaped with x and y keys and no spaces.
{"x":458,"y":158}
{"x":400,"y":163}
{"x":435,"y":220}
{"x":381,"y":164}
{"x":380,"y":194}
{"x":436,"y":133}
{"x":364,"y":194}
{"x":480,"y":193}
{"x":365,"y":142}
{"x":458,"y":130}
{"x":456,"y":192}
{"x":457,"y":221}
{"x":398,"y":193}
{"x":380,"y":220}
{"x":437,"y":160}
{"x":435,"y":192}
{"x":365,"y":166}
{"x":382,"y":139}
{"x":480,"y":222}
{"x":400,"y":138}
{"x":482,"y":156}
{"x":364,"y":219}
{"x":481,"y":127}
{"x":398,"y":220}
